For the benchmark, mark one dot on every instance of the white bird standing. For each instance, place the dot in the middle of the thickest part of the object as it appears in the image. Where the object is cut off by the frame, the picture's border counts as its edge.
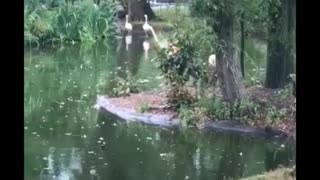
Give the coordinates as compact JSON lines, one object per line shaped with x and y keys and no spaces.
{"x":212,"y":60}
{"x":213,"y":77}
{"x":146,"y":27}
{"x":128,"y":25}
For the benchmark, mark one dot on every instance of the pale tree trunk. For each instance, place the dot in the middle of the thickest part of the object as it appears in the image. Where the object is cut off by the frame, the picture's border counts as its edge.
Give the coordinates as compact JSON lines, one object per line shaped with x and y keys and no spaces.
{"x":228,"y":55}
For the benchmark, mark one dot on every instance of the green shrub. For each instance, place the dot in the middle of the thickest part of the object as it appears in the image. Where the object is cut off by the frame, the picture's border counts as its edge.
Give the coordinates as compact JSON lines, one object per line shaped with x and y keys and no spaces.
{"x":186,"y":114}
{"x":144,"y":107}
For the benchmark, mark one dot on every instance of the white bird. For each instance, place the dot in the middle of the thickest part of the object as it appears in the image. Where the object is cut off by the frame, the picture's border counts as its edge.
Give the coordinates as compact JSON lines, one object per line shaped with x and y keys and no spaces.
{"x":128,"y":25}
{"x":212,"y":60}
{"x":128,"y":41}
{"x":146,"y":27}
{"x":95,"y":5}
{"x":146,"y":47}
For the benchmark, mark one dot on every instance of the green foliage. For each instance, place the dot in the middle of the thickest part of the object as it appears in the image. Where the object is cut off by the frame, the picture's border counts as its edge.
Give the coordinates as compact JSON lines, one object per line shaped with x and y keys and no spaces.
{"x":144,"y":107}
{"x":186,"y":57}
{"x":275,"y":115}
{"x":125,"y":86}
{"x":217,"y":109}
{"x":186,"y":114}
{"x":214,"y":108}
{"x":255,"y":15}
{"x":70,"y":23}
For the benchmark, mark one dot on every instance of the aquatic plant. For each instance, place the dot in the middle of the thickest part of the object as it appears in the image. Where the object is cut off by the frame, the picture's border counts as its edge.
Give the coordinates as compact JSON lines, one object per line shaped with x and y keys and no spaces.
{"x":82,"y":22}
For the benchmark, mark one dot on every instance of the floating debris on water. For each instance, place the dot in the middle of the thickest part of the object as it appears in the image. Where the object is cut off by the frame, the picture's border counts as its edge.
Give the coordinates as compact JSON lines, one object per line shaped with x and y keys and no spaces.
{"x":67,"y":134}
{"x":93,"y":171}
{"x":240,"y":153}
{"x":106,"y":164}
{"x":138,"y":148}
{"x":90,"y":152}
{"x":84,"y":136}
{"x":149,"y":138}
{"x":101,"y":138}
{"x":103,"y":122}
{"x":282,"y":145}
{"x":135,"y":135}
{"x":187,"y":177}
{"x":82,"y":127}
{"x":51,"y":129}
{"x":34,"y":133}
{"x":100,"y":158}
{"x":114,"y":124}
{"x":45,"y":158}
{"x":26,"y":128}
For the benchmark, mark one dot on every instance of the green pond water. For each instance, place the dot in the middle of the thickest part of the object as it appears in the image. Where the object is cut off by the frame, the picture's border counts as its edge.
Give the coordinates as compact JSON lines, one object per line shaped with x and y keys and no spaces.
{"x":66,"y":138}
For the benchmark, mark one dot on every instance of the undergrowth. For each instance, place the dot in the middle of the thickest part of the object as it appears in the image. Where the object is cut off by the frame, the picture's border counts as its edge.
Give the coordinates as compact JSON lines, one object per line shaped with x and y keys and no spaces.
{"x":246,"y":111}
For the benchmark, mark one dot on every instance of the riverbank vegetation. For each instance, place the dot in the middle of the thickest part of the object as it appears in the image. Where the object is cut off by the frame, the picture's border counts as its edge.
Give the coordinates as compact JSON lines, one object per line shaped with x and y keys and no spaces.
{"x":69,"y":22}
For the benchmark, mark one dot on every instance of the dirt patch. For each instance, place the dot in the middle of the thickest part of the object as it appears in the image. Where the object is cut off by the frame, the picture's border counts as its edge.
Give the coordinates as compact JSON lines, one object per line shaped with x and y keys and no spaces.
{"x":286,"y":104}
{"x":155,"y":100}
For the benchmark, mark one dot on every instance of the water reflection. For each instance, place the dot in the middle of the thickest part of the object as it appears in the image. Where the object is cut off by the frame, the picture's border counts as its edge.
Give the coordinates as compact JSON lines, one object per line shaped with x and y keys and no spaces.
{"x":146,"y":47}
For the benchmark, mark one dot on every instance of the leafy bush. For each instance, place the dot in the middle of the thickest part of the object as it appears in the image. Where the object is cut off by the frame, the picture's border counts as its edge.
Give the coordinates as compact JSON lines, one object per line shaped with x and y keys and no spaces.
{"x":186,"y":114}
{"x":144,"y":107}
{"x":125,"y":86}
{"x":186,"y":57}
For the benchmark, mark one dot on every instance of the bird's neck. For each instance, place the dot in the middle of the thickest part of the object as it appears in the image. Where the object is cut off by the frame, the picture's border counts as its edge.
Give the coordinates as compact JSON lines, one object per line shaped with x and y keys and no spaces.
{"x":127,"y":19}
{"x":146,"y":20}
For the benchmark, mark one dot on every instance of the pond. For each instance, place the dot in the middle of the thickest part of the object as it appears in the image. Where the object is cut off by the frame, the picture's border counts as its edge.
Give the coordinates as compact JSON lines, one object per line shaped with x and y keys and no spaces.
{"x":67,"y":138}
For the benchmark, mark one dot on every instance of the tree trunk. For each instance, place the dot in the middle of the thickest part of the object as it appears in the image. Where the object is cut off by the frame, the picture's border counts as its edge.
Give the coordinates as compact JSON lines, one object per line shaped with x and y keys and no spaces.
{"x":97,"y":2}
{"x":138,"y":8}
{"x":242,"y":43}
{"x":228,"y":63}
{"x":281,"y":42}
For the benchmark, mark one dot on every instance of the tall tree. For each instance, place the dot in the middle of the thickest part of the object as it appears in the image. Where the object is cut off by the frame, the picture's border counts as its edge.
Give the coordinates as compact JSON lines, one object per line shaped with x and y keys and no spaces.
{"x":281,"y":42}
{"x":228,"y":54}
{"x":224,"y":17}
{"x":137,"y":9}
